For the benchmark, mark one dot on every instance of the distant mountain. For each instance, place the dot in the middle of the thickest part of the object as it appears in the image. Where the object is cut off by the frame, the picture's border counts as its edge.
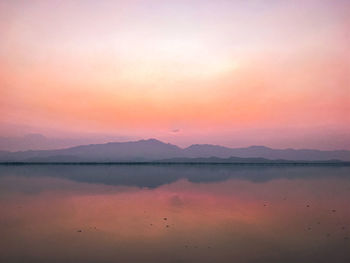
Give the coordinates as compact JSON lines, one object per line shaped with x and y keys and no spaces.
{"x":207,"y":150}
{"x":214,"y":160}
{"x":154,"y":150}
{"x":35,"y":141}
{"x":143,"y":150}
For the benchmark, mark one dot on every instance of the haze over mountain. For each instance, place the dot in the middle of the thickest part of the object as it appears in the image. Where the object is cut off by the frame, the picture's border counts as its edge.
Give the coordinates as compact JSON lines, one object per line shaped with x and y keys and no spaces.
{"x":37,"y":141}
{"x":154,"y":150}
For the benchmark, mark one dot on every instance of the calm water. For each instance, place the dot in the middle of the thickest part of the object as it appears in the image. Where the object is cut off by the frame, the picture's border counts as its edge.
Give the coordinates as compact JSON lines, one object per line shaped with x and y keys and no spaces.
{"x":174,"y":214}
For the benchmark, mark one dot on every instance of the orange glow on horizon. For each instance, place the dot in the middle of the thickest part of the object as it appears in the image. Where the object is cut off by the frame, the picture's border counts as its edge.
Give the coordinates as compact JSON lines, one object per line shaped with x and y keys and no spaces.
{"x":123,"y":67}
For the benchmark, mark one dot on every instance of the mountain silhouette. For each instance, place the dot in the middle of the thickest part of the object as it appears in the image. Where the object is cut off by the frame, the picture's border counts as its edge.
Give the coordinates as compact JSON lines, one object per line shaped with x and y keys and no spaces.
{"x":35,"y":141}
{"x":155,"y":150}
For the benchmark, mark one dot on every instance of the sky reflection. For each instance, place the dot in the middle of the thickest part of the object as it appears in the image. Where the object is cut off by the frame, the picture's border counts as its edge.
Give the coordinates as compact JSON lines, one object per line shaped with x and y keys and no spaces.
{"x":283,"y":219}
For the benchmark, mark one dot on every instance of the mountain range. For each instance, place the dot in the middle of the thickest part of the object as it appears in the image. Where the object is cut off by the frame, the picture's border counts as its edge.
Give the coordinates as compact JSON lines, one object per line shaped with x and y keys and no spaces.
{"x":37,"y":141}
{"x":155,"y":150}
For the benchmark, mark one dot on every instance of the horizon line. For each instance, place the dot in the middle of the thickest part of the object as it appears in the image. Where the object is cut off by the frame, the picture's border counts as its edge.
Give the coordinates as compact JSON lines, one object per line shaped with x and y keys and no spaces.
{"x":182,"y":148}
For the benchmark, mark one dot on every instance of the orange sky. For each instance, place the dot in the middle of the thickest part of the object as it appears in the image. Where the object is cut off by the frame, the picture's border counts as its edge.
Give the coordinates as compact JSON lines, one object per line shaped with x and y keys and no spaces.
{"x":229,"y":72}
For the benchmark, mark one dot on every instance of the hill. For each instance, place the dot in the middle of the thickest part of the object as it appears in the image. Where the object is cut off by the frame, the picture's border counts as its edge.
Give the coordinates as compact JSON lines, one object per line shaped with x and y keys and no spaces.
{"x":155,"y":150}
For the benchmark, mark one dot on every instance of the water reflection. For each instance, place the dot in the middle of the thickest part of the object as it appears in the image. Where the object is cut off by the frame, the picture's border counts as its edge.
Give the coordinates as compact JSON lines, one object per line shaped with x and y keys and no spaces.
{"x":152,"y":176}
{"x":174,"y":214}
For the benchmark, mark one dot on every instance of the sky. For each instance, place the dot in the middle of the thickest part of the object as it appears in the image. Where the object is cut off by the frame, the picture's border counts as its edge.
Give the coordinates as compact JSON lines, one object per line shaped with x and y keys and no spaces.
{"x":236,"y":73}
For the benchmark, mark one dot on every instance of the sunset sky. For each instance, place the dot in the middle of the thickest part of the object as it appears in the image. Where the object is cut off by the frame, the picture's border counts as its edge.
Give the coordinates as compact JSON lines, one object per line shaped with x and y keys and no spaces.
{"x":237,"y":73}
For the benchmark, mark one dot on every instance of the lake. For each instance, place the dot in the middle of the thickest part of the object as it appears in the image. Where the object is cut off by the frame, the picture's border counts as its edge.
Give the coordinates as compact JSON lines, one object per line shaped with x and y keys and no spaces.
{"x":174,"y":213}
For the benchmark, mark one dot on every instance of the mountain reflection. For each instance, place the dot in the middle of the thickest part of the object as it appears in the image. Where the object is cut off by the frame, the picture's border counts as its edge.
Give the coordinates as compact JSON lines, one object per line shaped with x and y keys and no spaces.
{"x":173,"y":214}
{"x":152,"y":176}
